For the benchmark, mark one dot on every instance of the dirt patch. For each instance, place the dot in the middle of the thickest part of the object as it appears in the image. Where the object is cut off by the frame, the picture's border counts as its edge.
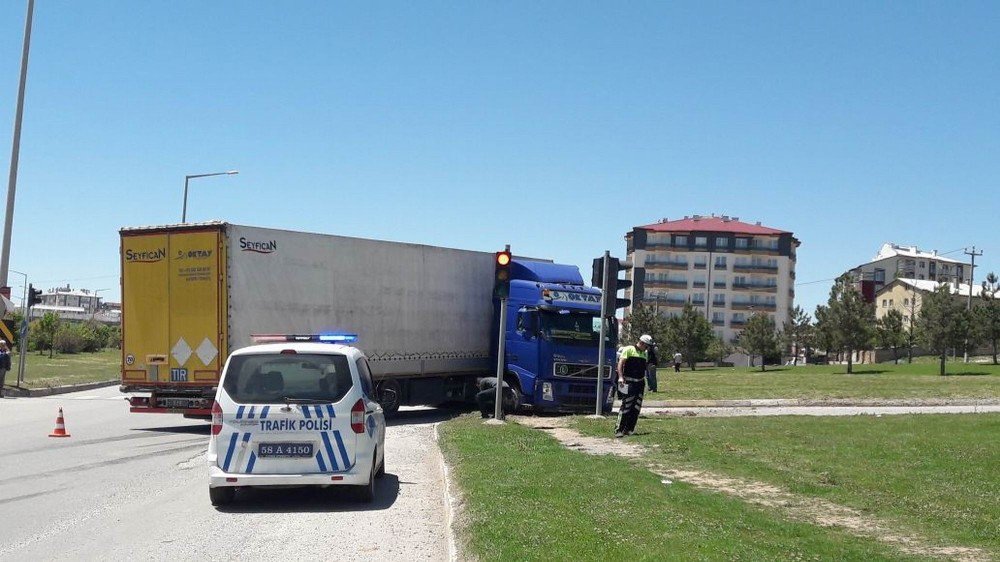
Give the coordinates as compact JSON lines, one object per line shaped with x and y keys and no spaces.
{"x":802,"y":508}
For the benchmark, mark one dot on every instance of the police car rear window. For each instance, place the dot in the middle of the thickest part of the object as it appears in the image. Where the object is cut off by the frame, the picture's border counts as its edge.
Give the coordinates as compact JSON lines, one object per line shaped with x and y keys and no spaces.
{"x":266,"y":379}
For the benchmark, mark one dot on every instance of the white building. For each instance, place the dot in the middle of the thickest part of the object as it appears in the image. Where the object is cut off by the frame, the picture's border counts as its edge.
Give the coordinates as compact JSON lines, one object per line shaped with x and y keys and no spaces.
{"x":910,"y":262}
{"x":727,"y":268}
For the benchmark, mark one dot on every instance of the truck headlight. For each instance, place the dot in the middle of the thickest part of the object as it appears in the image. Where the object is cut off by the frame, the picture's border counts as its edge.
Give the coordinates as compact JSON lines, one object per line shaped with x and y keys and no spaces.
{"x":547,"y":391}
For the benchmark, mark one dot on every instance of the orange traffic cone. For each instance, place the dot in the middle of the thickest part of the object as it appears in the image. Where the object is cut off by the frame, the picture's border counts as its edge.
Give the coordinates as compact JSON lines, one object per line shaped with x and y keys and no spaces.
{"x":60,"y":430}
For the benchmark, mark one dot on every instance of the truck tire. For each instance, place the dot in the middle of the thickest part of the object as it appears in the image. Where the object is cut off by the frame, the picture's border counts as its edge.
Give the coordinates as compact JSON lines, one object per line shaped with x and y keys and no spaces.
{"x":389,"y":395}
{"x":222,"y":495}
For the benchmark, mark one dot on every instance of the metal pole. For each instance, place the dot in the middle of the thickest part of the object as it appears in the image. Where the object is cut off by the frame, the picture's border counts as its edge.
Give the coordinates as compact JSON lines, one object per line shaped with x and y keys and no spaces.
{"x":600,"y":346}
{"x":184,"y":213}
{"x":972,"y":276}
{"x":22,"y":355}
{"x":501,"y":359}
{"x":15,"y":150}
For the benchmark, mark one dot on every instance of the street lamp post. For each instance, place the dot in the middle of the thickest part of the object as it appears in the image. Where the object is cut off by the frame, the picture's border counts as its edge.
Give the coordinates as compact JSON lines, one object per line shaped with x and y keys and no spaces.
{"x":23,"y":336}
{"x":189,"y":178}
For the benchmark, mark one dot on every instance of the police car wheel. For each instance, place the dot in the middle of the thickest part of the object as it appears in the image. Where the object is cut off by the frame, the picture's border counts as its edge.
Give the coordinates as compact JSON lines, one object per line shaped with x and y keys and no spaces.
{"x":222,"y":495}
{"x":366,"y":493}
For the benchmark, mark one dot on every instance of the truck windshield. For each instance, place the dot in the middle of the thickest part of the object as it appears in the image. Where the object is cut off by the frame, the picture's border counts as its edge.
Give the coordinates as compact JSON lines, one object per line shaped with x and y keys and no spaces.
{"x":574,"y":328}
{"x":276,"y":378}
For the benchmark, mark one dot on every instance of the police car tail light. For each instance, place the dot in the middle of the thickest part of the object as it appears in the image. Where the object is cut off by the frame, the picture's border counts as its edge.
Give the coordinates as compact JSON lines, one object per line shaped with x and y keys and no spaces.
{"x":358,"y":417}
{"x":216,"y":418}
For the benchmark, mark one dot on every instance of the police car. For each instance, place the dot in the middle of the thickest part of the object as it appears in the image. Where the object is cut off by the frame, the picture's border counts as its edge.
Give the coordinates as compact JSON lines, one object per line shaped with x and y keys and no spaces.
{"x":296,"y":410}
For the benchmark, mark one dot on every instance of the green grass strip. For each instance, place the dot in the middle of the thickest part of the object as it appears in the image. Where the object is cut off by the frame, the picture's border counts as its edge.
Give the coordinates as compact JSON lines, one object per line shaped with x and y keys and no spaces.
{"x":938,"y":475}
{"x":529,"y":498}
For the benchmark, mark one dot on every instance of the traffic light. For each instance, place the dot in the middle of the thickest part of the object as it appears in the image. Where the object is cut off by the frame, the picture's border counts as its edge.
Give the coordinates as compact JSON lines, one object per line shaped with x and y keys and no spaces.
{"x":612,"y":284}
{"x":501,"y":280}
{"x":597,"y":277}
{"x":34,"y":296}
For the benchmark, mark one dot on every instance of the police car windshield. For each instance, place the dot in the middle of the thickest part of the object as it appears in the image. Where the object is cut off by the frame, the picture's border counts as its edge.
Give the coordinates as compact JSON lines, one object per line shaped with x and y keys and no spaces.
{"x":278,"y":378}
{"x":574,"y":328}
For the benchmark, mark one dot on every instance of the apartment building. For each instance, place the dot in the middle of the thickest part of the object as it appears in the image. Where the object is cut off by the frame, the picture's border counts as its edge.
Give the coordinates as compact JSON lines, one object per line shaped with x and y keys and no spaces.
{"x":908,"y":262}
{"x":728,"y":268}
{"x":907,"y":295}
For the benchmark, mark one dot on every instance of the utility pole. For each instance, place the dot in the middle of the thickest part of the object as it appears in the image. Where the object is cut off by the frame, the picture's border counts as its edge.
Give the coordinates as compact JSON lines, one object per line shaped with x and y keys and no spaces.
{"x":15,"y":151}
{"x":972,"y":277}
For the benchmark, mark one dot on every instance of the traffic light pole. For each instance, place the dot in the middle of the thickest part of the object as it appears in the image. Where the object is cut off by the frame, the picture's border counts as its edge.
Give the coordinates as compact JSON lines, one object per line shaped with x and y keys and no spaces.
{"x":501,"y":360}
{"x":600,"y":346}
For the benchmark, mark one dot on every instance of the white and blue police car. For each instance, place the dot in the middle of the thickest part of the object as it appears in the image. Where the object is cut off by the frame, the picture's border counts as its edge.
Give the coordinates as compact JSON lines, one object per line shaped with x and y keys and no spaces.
{"x":296,"y":410}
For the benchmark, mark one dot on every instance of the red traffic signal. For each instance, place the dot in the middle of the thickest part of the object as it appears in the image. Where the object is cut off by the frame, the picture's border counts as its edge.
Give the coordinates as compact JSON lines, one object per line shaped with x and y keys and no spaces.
{"x":501,"y":280}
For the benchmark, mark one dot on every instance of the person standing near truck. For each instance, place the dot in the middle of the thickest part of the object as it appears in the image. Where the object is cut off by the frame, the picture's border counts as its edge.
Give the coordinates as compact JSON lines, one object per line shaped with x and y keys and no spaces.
{"x":632,"y":376}
{"x":654,"y":361}
{"x":4,"y":364}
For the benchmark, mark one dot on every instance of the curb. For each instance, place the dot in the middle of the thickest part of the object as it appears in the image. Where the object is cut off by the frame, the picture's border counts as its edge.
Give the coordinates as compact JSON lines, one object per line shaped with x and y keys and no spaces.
{"x":52,"y":390}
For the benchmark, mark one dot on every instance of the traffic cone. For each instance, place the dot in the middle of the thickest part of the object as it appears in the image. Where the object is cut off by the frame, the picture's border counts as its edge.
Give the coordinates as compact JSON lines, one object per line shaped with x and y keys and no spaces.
{"x":60,"y":430}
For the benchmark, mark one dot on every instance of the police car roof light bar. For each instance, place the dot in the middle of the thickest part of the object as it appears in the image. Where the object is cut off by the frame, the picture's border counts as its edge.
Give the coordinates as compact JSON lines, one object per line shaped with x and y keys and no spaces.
{"x":319,"y":338}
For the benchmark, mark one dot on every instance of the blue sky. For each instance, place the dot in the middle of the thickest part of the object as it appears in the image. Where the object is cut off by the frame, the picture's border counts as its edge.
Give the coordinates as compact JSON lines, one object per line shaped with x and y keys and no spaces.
{"x":552,"y":126}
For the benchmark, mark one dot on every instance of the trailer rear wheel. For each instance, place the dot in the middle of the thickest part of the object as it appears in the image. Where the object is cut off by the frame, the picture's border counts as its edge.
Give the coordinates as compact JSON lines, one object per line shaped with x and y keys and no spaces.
{"x":389,"y":396}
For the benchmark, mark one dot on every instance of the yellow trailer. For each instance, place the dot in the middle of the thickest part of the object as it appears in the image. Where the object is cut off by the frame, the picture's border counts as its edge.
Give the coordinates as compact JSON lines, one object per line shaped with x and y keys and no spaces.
{"x":174,"y":317}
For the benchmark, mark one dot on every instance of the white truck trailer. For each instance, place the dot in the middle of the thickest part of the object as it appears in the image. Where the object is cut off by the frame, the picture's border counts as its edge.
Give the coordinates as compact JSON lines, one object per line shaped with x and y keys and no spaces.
{"x":193,"y":293}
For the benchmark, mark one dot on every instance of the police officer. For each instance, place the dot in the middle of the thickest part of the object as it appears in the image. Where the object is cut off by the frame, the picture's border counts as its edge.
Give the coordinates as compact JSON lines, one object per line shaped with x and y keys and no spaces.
{"x":632,"y":372}
{"x":487,"y":395}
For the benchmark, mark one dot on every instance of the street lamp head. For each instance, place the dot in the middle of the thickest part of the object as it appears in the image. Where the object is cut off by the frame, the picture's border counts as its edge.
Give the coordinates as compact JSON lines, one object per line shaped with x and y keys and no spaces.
{"x":232,"y":172}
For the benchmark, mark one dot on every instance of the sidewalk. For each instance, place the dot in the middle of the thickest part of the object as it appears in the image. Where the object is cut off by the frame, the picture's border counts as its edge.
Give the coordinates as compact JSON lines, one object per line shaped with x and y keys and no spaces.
{"x":24,"y":392}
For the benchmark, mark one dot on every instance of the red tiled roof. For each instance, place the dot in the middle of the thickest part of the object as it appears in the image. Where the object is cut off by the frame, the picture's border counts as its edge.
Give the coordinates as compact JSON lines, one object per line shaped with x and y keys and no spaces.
{"x":712,"y":224}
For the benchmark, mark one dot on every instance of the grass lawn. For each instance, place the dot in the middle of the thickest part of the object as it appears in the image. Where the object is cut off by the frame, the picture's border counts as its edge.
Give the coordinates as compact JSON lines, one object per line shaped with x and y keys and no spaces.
{"x":41,"y":372}
{"x":529,"y":498}
{"x":883,"y":380}
{"x":936,"y":474}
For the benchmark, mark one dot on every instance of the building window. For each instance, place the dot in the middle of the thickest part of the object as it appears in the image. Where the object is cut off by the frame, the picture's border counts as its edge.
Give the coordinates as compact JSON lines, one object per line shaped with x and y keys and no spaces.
{"x":719,"y":281}
{"x":742,"y":243}
{"x":919,"y":277}
{"x":722,"y":242}
{"x":879,"y":275}
{"x":701,"y":242}
{"x":719,"y":300}
{"x":906,"y":302}
{"x":680,"y":240}
{"x":718,"y":317}
{"x":890,"y":302}
{"x":720,"y":262}
{"x":923,"y":265}
{"x":883,"y":305}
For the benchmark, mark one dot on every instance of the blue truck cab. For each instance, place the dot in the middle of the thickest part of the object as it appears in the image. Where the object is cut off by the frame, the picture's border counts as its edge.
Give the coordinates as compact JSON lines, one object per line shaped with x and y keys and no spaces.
{"x":552,"y":339}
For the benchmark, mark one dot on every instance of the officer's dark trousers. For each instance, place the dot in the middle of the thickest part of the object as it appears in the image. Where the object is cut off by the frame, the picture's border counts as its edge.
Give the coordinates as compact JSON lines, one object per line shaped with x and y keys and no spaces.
{"x":628,"y":415}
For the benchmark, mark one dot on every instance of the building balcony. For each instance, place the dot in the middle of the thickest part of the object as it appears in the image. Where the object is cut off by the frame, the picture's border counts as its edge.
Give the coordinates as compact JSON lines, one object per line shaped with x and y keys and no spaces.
{"x":757,"y":251}
{"x":720,"y":267}
{"x":754,"y":306}
{"x":719,"y":304}
{"x":700,"y":266}
{"x":667,"y":283}
{"x":719,"y":285}
{"x":755,"y":288}
{"x":734,"y":323}
{"x":698,"y":285}
{"x":718,"y":322}
{"x":675,"y":265}
{"x":749,"y":268}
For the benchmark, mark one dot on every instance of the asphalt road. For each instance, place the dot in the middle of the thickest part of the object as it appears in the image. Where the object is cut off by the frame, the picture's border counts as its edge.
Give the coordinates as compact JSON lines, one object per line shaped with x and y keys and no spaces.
{"x":135,"y":486}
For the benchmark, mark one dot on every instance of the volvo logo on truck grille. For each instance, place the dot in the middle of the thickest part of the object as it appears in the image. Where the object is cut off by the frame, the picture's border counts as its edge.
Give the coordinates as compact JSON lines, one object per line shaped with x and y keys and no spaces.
{"x":258,"y":246}
{"x":145,"y":256}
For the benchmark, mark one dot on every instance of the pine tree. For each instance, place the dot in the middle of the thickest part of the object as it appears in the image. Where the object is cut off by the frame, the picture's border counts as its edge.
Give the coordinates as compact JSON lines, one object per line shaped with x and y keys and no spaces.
{"x":890,"y":333}
{"x":848,"y":321}
{"x":943,"y":323}
{"x":797,"y":332}
{"x":988,"y":313}
{"x":690,"y":333}
{"x":643,"y":320}
{"x":760,"y":337}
